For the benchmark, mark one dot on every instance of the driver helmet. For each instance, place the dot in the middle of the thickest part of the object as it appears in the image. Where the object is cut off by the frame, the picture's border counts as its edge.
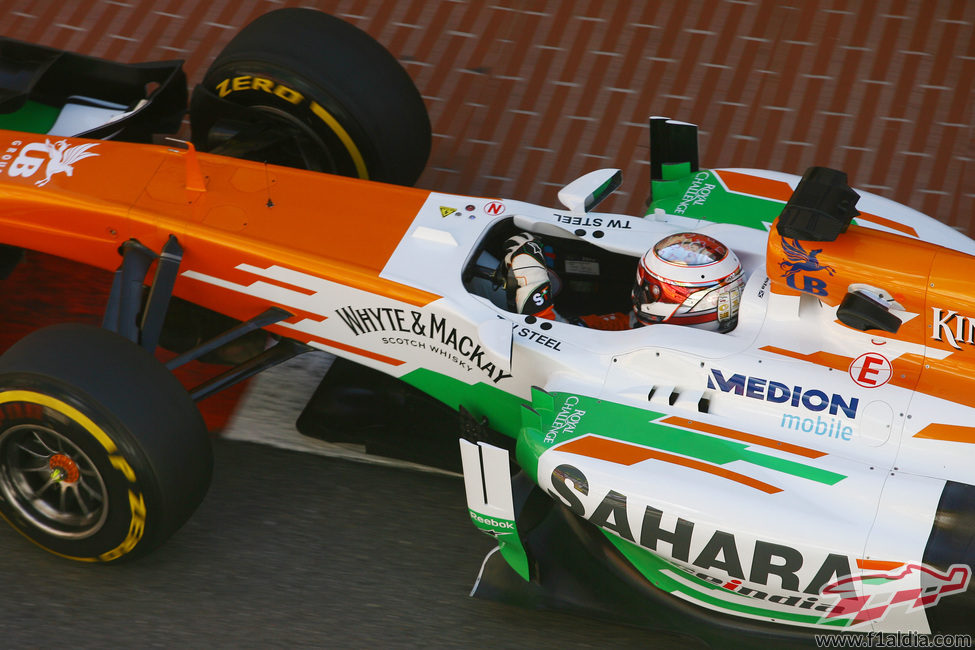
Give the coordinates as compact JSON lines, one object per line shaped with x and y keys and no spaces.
{"x":689,"y":279}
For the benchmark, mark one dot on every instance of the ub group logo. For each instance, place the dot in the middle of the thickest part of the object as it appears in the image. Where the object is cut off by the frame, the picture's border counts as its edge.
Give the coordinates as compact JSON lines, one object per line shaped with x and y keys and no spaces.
{"x":60,"y":159}
{"x":800,"y":261}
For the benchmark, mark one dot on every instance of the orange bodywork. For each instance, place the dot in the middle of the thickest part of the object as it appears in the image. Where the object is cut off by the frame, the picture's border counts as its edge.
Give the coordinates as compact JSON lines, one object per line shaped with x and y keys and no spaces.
{"x":935,"y":284}
{"x":330,"y":227}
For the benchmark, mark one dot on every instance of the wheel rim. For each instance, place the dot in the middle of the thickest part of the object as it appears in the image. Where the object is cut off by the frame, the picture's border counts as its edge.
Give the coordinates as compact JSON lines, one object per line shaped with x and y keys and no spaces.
{"x":51,"y":482}
{"x":293,"y":144}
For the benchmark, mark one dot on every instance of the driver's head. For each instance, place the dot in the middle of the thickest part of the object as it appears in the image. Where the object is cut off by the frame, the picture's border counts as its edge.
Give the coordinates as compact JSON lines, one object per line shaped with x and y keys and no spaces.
{"x":689,"y":279}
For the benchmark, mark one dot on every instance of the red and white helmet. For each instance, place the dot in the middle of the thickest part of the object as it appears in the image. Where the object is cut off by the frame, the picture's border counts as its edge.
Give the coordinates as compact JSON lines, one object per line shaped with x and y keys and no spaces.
{"x":689,"y":279}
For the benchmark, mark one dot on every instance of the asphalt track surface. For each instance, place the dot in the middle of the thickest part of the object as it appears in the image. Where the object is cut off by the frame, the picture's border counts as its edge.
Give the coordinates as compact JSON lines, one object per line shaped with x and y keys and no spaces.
{"x":293,"y":550}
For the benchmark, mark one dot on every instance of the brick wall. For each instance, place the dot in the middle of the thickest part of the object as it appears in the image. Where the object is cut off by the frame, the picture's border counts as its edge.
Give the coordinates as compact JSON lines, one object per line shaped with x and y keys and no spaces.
{"x":524,"y":95}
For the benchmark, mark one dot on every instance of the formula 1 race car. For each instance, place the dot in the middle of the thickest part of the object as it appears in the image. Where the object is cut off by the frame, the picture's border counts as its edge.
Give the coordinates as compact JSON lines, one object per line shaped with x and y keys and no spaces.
{"x":810,"y":469}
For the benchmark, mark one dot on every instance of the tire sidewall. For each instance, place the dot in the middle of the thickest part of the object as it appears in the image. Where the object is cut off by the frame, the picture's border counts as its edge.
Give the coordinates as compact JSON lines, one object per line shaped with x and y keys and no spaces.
{"x":321,"y":110}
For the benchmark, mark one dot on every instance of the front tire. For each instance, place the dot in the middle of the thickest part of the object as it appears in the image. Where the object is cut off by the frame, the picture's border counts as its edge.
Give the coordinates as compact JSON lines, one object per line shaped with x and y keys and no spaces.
{"x":301,"y":88}
{"x":103,"y":455}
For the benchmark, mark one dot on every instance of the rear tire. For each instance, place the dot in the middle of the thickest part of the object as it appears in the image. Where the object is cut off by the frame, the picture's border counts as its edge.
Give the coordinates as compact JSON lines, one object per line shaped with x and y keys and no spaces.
{"x":301,"y":88}
{"x":103,"y":455}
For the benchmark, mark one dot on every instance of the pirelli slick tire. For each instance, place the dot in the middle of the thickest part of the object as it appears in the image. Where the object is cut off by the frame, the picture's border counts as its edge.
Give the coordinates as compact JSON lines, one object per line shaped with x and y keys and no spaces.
{"x":301,"y":88}
{"x":103,"y":455}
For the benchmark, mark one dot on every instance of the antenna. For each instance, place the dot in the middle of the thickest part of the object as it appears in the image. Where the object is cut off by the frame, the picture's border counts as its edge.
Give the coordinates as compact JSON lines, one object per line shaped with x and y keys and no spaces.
{"x":267,"y":180}
{"x":194,"y":176}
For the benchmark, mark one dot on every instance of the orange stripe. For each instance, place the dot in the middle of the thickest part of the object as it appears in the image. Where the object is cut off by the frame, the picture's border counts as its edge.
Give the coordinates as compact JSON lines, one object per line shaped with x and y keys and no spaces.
{"x":780,"y":191}
{"x":623,"y":453}
{"x":906,"y":367}
{"x":890,"y":223}
{"x":948,"y":433}
{"x":247,"y":279}
{"x":878,"y":565}
{"x":744,"y":437}
{"x":828,"y":359}
{"x":755,"y":185}
{"x":304,"y":336}
{"x":365,"y":353}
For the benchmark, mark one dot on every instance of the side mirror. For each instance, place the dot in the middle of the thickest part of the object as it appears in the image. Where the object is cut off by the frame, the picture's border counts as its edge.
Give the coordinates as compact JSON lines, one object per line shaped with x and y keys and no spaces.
{"x":585,"y":193}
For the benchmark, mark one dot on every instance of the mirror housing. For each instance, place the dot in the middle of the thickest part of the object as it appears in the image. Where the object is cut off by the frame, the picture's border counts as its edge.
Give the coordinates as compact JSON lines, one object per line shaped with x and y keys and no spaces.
{"x":586,"y":192}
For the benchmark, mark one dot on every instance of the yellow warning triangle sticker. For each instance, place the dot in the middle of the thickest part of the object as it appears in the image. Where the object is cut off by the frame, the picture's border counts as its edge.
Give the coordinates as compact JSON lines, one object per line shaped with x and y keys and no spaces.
{"x":446,"y":212}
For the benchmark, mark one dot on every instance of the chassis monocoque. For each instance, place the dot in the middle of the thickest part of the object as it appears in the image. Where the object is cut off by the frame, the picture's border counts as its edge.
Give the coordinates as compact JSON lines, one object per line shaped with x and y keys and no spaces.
{"x":809,"y":470}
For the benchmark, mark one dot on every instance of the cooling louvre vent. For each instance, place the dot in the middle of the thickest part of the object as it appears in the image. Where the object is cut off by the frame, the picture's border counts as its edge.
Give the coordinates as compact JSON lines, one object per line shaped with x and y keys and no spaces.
{"x":689,"y":399}
{"x":704,"y":404}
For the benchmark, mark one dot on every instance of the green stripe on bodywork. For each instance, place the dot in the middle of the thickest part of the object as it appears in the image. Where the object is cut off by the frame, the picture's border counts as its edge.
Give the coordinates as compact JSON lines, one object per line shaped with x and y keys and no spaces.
{"x":482,"y":400}
{"x":675,"y":171}
{"x":653,"y":566}
{"x":701,"y":196}
{"x":683,"y":193}
{"x":635,"y":425}
{"x":530,"y":423}
{"x":33,"y":117}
